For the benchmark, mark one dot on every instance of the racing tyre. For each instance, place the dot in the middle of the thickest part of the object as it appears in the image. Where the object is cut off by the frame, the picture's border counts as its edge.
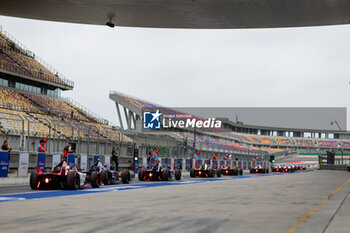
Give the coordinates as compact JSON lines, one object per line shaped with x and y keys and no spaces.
{"x":73,"y":180}
{"x":34,"y":180}
{"x":192,"y":172}
{"x":142,"y":174}
{"x":125,"y":177}
{"x":218,"y":173}
{"x":241,"y":172}
{"x":95,"y":179}
{"x":165,"y":175}
{"x":178,"y":175}
{"x":106,"y":177}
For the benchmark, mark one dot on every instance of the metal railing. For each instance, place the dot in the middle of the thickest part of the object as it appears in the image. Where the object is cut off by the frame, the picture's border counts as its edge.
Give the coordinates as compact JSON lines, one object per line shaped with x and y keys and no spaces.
{"x":37,"y":58}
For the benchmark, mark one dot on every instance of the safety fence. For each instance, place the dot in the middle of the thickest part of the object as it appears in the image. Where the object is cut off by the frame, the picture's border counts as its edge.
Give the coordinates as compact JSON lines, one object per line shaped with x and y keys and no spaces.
{"x":22,"y":163}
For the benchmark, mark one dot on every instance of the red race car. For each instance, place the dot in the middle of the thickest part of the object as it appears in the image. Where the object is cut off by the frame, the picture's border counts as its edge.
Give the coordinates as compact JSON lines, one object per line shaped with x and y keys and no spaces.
{"x":259,"y":169}
{"x":348,"y":167}
{"x":62,"y":177}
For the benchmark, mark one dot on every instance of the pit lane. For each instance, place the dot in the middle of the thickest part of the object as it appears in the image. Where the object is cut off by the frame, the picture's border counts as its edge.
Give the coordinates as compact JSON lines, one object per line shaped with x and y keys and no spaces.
{"x":270,"y":203}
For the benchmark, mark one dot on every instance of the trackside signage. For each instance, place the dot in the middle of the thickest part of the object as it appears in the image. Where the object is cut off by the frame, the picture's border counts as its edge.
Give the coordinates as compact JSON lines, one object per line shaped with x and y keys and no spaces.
{"x":158,"y":120}
{"x":41,"y":161}
{"x":23,"y":164}
{"x":4,"y":163}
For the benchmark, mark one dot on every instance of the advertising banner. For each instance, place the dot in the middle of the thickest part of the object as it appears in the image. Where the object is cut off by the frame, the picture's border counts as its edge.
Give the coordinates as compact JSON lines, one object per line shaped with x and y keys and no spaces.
{"x":183,"y":165}
{"x":178,"y":164}
{"x":108,"y":161}
{"x":23,"y":164}
{"x":56,"y":159}
{"x":4,"y":163}
{"x":83,"y":162}
{"x":71,"y":160}
{"x":41,"y":161}
{"x":172,"y":164}
{"x":166,"y":163}
{"x":152,"y":163}
{"x":96,"y":157}
{"x":144,"y":162}
{"x":189,"y":164}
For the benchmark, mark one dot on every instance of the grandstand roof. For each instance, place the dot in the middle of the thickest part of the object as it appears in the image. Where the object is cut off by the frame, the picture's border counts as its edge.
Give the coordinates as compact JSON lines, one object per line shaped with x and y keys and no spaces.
{"x":229,"y":122}
{"x":18,"y":62}
{"x":185,"y":13}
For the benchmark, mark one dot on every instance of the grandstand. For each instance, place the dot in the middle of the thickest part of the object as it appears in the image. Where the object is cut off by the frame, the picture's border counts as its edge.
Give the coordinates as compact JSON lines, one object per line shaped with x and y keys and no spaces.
{"x":31,"y":105}
{"x":232,"y":138}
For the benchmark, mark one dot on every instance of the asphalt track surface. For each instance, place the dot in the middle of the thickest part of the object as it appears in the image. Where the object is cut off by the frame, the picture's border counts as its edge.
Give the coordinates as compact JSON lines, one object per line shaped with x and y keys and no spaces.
{"x":252,"y":203}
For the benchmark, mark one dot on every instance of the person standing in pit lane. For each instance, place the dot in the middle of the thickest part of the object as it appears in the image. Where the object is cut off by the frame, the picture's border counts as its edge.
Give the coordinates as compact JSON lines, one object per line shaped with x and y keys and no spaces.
{"x":41,"y":146}
{"x":115,"y":157}
{"x":67,"y":150}
{"x":196,"y":158}
{"x":155,"y":156}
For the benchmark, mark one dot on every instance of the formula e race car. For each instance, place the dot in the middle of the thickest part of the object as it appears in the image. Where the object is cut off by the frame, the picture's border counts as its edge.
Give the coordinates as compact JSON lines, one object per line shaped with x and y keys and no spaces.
{"x":231,"y":171}
{"x":301,"y":168}
{"x":205,"y":171}
{"x":348,"y":167}
{"x":99,"y":174}
{"x":158,"y":173}
{"x":62,"y":177}
{"x":277,"y":168}
{"x":288,"y":168}
{"x":259,"y":169}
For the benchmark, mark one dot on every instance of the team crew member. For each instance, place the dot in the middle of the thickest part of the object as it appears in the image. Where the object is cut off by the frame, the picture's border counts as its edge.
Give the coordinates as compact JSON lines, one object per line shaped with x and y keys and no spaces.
{"x":67,"y":149}
{"x":115,"y":157}
{"x":41,"y":146}
{"x":227,"y":157}
{"x":196,"y":158}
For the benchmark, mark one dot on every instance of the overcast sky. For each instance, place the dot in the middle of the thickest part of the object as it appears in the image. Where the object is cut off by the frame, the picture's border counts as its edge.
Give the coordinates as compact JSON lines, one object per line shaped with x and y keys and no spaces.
{"x":292,"y":67}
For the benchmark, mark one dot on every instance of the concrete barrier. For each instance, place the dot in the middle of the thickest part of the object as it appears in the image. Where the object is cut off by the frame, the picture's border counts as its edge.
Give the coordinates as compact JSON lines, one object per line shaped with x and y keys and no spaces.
{"x":333,"y":167}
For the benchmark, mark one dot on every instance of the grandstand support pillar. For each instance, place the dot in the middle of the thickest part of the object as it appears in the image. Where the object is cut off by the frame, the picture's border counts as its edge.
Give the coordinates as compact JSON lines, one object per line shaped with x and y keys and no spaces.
{"x":126,"y":117}
{"x":88,"y":146}
{"x":79,"y":146}
{"x":119,"y":115}
{"x":28,"y":135}
{"x":54,"y":136}
{"x":106,"y":139}
{"x":22,"y":133}
{"x":132,"y":118}
{"x":167,"y":145}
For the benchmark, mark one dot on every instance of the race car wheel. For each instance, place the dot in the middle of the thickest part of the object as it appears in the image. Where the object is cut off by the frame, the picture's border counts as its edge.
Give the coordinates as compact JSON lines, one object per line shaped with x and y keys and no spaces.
{"x":95,"y":179}
{"x":34,"y":180}
{"x":73,"y":180}
{"x":241,"y":172}
{"x":106,"y":177}
{"x":267,"y":170}
{"x":165,"y":175}
{"x":142,"y":174}
{"x":178,"y":175}
{"x":251,"y":171}
{"x":192,"y":172}
{"x":125,"y":177}
{"x":218,"y":173}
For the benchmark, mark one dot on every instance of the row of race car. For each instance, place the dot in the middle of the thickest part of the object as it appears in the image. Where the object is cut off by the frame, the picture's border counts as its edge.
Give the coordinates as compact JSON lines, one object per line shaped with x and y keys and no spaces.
{"x":287,"y":168}
{"x":65,"y":177}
